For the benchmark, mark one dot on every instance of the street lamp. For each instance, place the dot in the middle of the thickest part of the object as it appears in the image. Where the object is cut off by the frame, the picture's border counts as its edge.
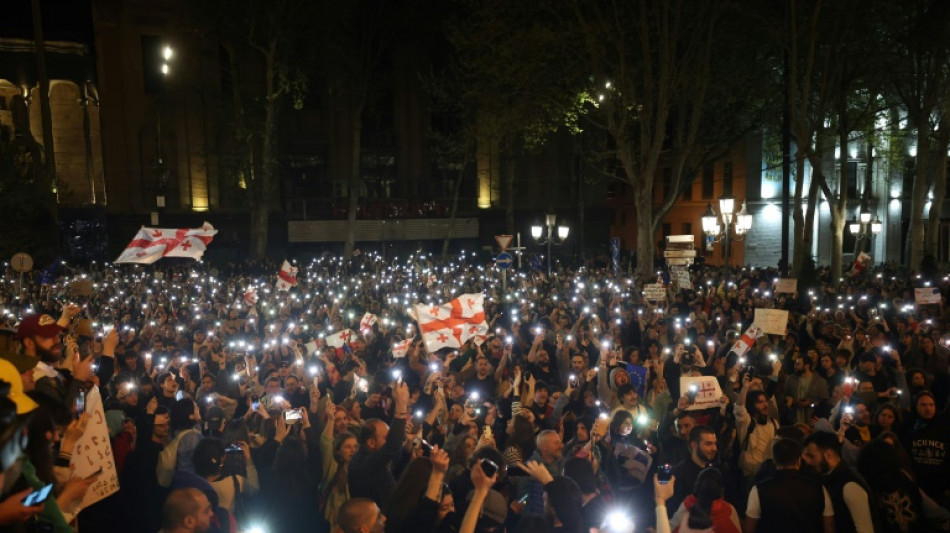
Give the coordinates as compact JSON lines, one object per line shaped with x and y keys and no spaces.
{"x":549,"y":239}
{"x":740,"y":222}
{"x":863,"y":227}
{"x":167,"y":53}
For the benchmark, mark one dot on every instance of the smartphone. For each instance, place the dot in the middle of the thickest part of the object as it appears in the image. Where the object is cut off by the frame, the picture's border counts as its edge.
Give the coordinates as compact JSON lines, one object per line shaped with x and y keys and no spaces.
{"x":292,"y":415}
{"x":573,"y":382}
{"x":753,"y":371}
{"x":80,"y":403}
{"x":255,"y":403}
{"x":234,"y":448}
{"x":489,"y":467}
{"x":691,"y":394}
{"x":38,"y":497}
{"x":664,"y":473}
{"x":515,"y":471}
{"x":426,"y":448}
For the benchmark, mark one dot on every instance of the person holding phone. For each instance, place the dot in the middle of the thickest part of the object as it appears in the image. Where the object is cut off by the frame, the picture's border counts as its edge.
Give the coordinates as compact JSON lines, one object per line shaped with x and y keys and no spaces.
{"x":370,"y":475}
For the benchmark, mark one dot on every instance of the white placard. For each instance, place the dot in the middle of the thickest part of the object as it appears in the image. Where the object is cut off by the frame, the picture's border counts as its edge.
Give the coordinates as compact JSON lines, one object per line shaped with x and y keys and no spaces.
{"x":654,"y":292}
{"x":94,"y":451}
{"x":708,"y":392}
{"x":772,"y":321}
{"x":786,"y":285}
{"x":680,"y":276}
{"x":927,"y":295}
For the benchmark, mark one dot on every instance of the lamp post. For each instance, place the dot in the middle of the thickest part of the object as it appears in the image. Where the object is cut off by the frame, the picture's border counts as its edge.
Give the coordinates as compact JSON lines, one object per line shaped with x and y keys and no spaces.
{"x":167,"y":54}
{"x":549,"y":238}
{"x":864,"y":228}
{"x":741,"y":223}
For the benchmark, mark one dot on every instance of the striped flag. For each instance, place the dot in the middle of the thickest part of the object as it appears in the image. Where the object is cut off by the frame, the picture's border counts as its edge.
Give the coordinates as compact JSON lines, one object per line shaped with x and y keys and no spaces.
{"x":151,"y":244}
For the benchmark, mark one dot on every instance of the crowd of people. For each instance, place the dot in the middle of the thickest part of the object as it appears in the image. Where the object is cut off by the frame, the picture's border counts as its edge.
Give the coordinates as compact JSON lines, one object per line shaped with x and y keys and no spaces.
{"x":234,"y":406}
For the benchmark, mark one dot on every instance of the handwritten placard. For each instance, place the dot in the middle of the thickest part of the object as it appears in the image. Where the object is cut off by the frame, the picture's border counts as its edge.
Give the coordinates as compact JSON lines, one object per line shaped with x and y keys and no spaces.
{"x":680,"y":276}
{"x":786,"y":286}
{"x":654,"y":292}
{"x":94,"y":451}
{"x":706,"y":388}
{"x":772,"y":321}
{"x":927,"y":295}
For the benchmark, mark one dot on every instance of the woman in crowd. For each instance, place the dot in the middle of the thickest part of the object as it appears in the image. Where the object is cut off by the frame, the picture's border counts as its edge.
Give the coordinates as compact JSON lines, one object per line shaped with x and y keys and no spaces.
{"x":706,"y":508}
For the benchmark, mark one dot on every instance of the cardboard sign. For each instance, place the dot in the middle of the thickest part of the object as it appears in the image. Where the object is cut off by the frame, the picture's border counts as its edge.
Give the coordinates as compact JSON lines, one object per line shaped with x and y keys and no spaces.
{"x":788,"y":286}
{"x":680,"y":276}
{"x":927,"y":295}
{"x":707,"y":390}
{"x":654,"y":292}
{"x":94,"y":451}
{"x":772,"y":321}
{"x":633,"y":460}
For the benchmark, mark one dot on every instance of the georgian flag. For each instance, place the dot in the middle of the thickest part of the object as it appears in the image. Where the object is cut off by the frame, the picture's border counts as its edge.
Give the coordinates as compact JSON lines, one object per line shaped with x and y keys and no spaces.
{"x":340,"y":338}
{"x":367,"y":322}
{"x":451,"y":325}
{"x":860,"y":263}
{"x":287,"y":277}
{"x":151,"y":244}
{"x":250,"y":296}
{"x":401,"y":348}
{"x":746,"y":340}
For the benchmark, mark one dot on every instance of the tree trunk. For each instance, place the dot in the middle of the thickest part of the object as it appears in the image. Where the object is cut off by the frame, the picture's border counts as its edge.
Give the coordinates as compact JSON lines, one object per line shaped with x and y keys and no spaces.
{"x":915,"y":233}
{"x":798,"y":216}
{"x":509,"y":173}
{"x":260,"y":214}
{"x":457,"y":187}
{"x":644,"y":202}
{"x":261,"y":207}
{"x":939,"y":177}
{"x":811,"y":207}
{"x":838,"y":220}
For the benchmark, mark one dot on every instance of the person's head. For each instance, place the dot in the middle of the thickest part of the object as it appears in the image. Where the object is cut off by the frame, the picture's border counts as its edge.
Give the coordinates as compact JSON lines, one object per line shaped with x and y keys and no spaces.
{"x":291,"y":383}
{"x":757,"y":403}
{"x":208,"y":457}
{"x":187,"y":510}
{"x":184,"y":414}
{"x":581,"y":431}
{"x":549,"y":445}
{"x":822,"y":451}
{"x":341,"y":420}
{"x":925,"y":406}
{"x":373,"y":434}
{"x":168,"y":384}
{"x":39,"y":336}
{"x":684,"y":424}
{"x":344,"y":447}
{"x":578,"y":364}
{"x":360,"y":515}
{"x":702,"y":445}
{"x":541,"y":393}
{"x":622,"y":423}
{"x":272,"y":386}
{"x":628,"y":395}
{"x":162,"y":426}
{"x":463,"y":450}
{"x":707,"y":489}
{"x":787,"y":454}
{"x":887,"y":416}
{"x":917,"y":379}
{"x":482,"y":367}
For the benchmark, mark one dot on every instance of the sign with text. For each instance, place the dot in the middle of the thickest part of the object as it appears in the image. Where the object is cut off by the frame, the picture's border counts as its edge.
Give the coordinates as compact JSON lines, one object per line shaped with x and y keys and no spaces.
{"x":654,"y":292}
{"x":927,"y":295}
{"x":788,"y":286}
{"x":680,"y":276}
{"x":93,"y":451}
{"x":706,"y":389}
{"x":679,"y":253}
{"x":772,"y":321}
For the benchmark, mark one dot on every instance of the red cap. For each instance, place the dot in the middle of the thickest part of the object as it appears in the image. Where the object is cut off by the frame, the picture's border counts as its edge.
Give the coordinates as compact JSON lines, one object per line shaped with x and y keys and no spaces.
{"x":38,"y":326}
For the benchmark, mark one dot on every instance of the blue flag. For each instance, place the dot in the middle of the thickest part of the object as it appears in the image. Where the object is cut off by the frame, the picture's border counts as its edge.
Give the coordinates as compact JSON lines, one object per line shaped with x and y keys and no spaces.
{"x":638,"y":378}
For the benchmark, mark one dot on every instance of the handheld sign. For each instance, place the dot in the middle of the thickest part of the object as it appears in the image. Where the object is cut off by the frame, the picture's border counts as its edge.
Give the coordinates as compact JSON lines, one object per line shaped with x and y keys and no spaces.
{"x":706,"y":390}
{"x":654,"y":292}
{"x":786,"y":285}
{"x":927,"y":295}
{"x":772,"y":321}
{"x":93,"y":453}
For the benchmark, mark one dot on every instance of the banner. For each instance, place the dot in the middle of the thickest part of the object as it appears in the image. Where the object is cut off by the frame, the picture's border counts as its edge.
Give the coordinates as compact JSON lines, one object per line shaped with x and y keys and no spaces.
{"x":928,"y":295}
{"x":287,"y":277}
{"x":860,"y":263}
{"x":772,"y":321}
{"x":707,"y":391}
{"x":94,"y":451}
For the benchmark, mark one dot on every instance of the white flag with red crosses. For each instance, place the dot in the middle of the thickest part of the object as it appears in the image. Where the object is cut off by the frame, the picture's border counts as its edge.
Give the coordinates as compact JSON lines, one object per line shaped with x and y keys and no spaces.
{"x":338,"y":339}
{"x":401,"y":348}
{"x":747,"y":340}
{"x":151,"y":244}
{"x":453,"y":324}
{"x":287,"y":277}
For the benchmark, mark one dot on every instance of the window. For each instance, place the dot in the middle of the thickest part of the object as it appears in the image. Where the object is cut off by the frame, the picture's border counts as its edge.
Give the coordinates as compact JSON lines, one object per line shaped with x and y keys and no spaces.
{"x":708,"y":181}
{"x":727,"y":178}
{"x":687,"y":228}
{"x":153,"y":80}
{"x":667,"y":230}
